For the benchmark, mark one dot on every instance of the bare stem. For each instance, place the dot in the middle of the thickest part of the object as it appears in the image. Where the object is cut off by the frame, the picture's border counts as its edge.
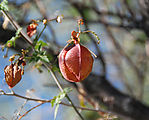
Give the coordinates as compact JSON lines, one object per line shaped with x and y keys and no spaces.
{"x":60,"y":87}
{"x":48,"y":101}
{"x":16,"y":26}
{"x":21,"y":108}
{"x":30,"y":111}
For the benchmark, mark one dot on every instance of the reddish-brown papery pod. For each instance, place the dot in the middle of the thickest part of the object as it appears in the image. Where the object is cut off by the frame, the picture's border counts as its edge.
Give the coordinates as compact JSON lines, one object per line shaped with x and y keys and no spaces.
{"x":12,"y":74}
{"x":75,"y":62}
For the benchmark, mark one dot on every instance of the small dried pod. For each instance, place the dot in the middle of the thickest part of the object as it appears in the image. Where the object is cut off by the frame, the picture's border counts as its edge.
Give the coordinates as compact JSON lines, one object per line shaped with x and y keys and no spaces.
{"x":75,"y":62}
{"x":45,"y":21}
{"x":12,"y":74}
{"x":31,"y":29}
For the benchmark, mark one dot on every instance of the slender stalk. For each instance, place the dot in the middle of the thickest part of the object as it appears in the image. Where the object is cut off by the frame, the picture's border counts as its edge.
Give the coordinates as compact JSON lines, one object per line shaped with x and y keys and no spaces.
{"x":21,"y":108}
{"x":74,"y":107}
{"x":16,"y":26}
{"x":24,"y":97}
{"x":38,"y":36}
{"x":89,"y":109}
{"x":48,"y":101}
{"x":29,"y":111}
{"x":42,"y":31}
{"x":61,"y":89}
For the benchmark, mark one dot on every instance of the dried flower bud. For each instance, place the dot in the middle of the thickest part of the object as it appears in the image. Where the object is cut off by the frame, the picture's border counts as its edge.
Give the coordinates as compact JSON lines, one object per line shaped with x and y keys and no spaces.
{"x":80,"y":22}
{"x":59,"y":18}
{"x":74,"y":34}
{"x":44,"y":21}
{"x":31,"y":29}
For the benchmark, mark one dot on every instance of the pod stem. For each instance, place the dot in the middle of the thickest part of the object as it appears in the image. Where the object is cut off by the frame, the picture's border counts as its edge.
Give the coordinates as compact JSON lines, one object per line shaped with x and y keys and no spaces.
{"x":93,"y":53}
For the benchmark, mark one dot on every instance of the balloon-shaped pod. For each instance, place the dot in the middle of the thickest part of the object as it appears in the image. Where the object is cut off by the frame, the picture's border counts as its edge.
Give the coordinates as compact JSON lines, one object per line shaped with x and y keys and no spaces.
{"x":75,"y":62}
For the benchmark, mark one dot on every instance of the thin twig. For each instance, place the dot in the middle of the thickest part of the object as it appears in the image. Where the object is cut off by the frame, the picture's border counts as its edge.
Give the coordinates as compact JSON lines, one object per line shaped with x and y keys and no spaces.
{"x":43,"y":10}
{"x":24,"y":97}
{"x":60,"y":87}
{"x":48,"y":101}
{"x":19,"y":111}
{"x":42,"y":31}
{"x":38,"y":36}
{"x":89,"y":109}
{"x":16,"y":26}
{"x":30,"y":111}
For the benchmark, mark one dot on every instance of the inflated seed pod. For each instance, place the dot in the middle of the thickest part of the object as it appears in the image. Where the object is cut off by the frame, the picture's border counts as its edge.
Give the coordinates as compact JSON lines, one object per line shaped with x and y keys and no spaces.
{"x":75,"y":62}
{"x":12,"y":74}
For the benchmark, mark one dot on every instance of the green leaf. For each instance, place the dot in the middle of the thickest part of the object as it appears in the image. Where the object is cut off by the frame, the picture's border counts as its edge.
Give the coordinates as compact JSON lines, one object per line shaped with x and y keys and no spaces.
{"x":4,"y":5}
{"x":44,"y":58}
{"x":39,"y":53}
{"x":57,"y":99}
{"x":42,"y":43}
{"x":67,"y":90}
{"x":56,"y":110}
{"x":53,"y":101}
{"x":12,"y":41}
{"x":39,"y":45}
